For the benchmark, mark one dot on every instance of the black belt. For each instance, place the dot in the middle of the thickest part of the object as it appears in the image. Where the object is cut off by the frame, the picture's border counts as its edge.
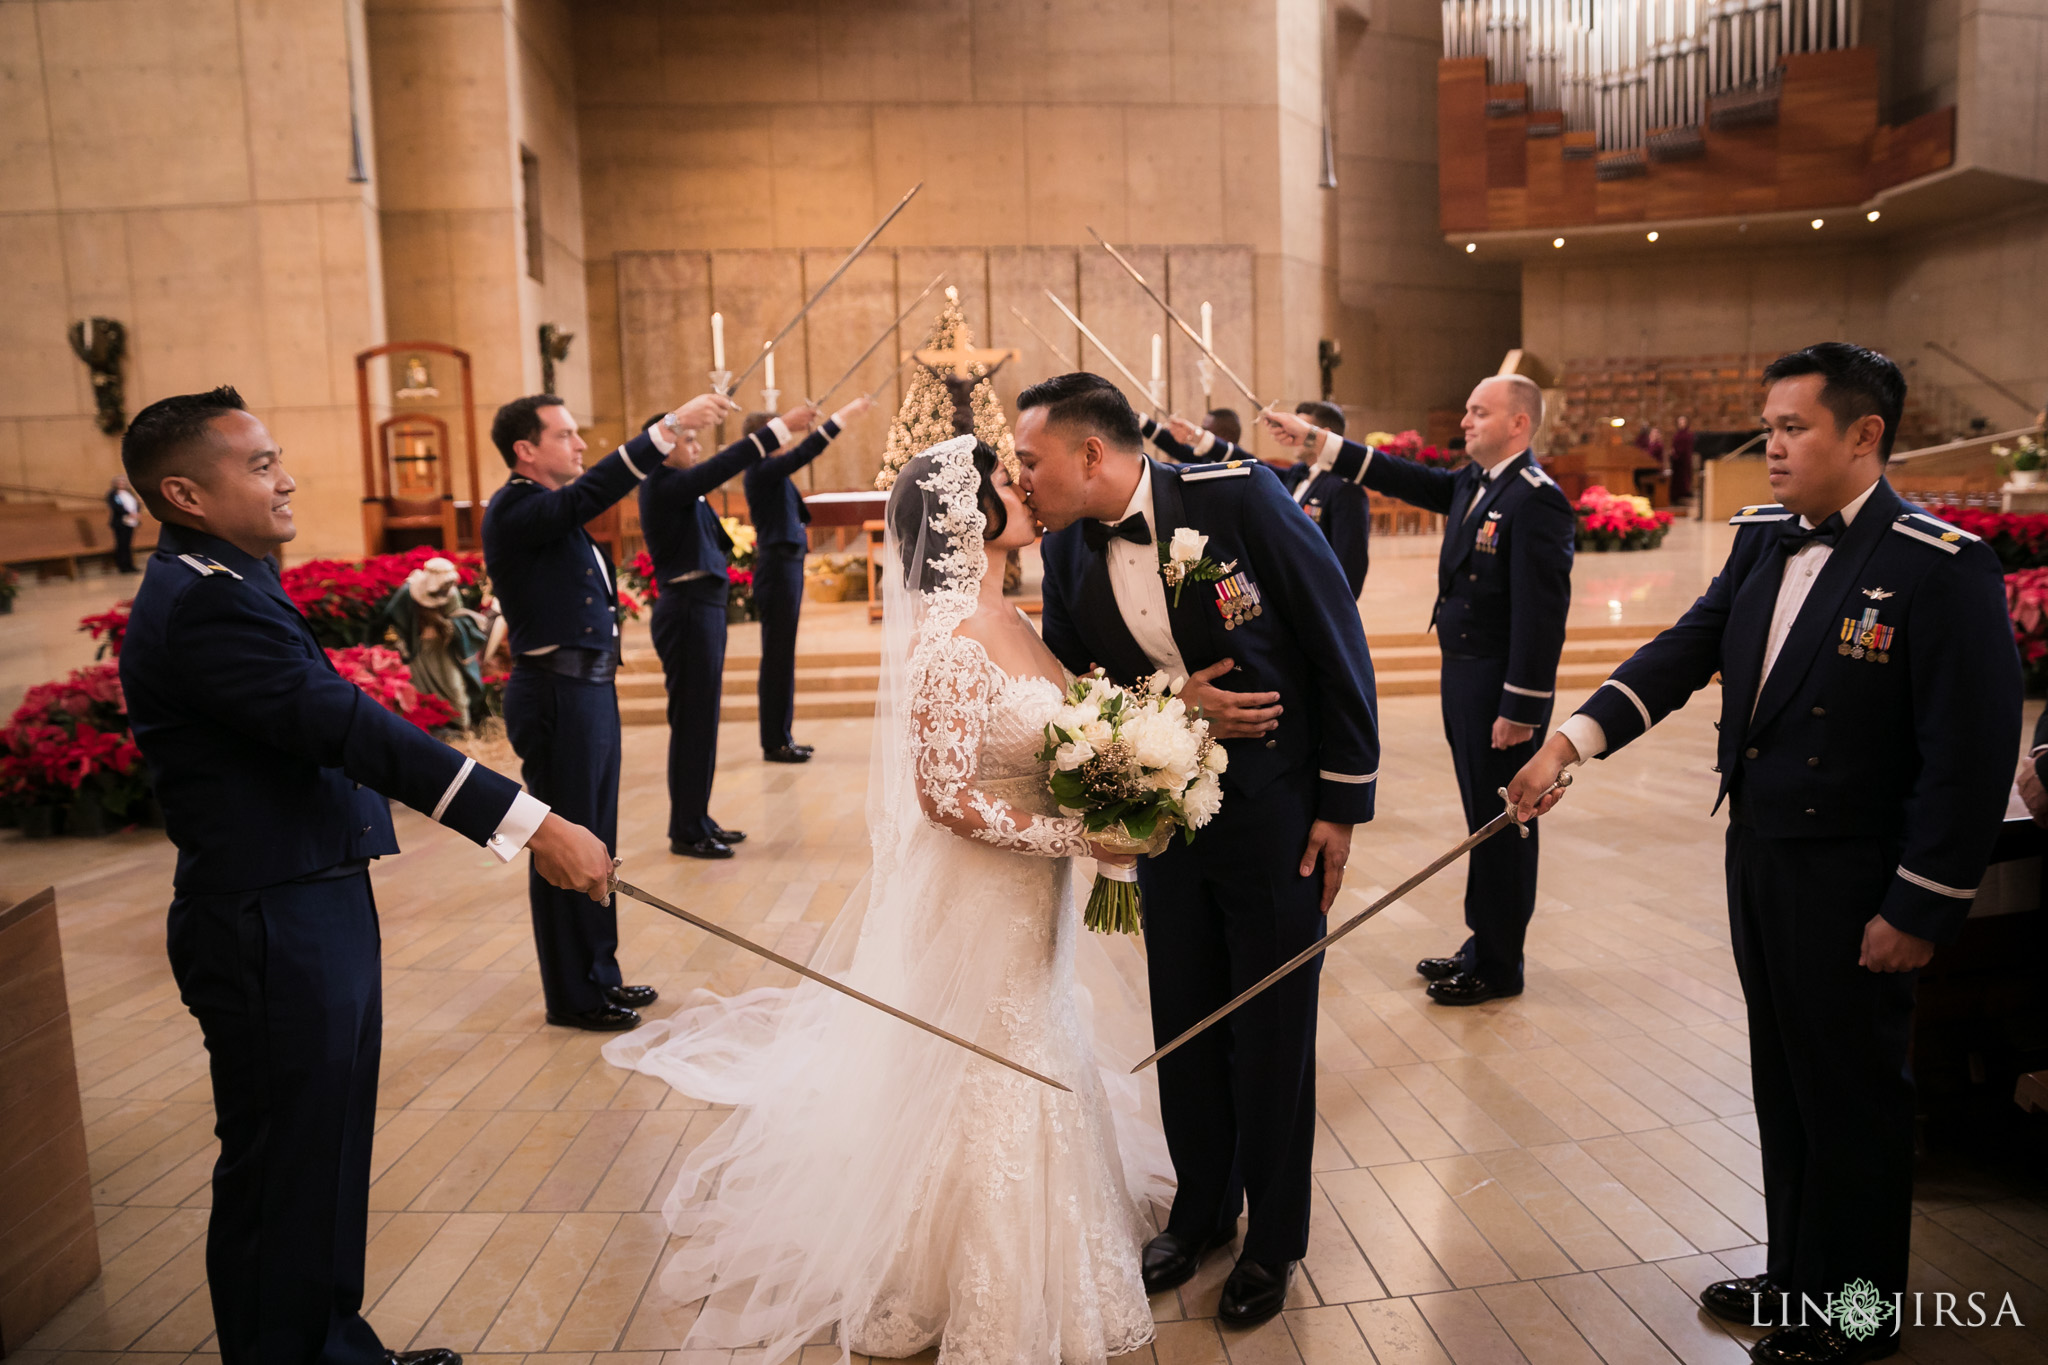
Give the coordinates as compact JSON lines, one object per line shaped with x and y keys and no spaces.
{"x":586,"y":665}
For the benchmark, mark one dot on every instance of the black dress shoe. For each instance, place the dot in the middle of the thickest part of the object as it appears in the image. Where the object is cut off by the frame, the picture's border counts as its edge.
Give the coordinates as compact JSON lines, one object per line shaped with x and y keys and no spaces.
{"x":1753,"y":1302}
{"x":610,"y":1019}
{"x":700,"y":848}
{"x":1439,"y":968}
{"x":788,"y":753}
{"x":433,"y":1355}
{"x":1169,"y":1261}
{"x":632,"y":997}
{"x":727,"y":836}
{"x":1821,"y":1343}
{"x":1254,"y":1292}
{"x":1467,"y":988}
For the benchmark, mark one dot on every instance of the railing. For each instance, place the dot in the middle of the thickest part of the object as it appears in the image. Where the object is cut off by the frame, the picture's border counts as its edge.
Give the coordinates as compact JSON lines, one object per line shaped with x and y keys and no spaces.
{"x":11,"y":491}
{"x":1628,"y":69}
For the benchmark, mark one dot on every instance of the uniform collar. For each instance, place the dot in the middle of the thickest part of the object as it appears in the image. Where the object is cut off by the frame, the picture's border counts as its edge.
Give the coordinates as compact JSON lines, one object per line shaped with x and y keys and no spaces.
{"x":173,"y":538}
{"x":1489,"y":475}
{"x":1855,"y":505}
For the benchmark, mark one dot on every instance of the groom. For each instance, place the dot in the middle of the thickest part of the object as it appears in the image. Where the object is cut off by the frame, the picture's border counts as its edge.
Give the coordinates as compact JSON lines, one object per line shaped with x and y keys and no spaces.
{"x":1269,"y":609}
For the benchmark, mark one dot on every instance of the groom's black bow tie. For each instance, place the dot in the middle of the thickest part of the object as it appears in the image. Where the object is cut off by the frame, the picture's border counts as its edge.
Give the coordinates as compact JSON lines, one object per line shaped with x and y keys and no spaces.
{"x":1098,"y":534}
{"x":1795,"y":537}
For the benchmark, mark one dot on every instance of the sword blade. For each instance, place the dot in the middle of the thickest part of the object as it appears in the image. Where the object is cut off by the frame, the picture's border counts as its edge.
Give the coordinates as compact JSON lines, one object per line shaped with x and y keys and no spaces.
{"x":1178,"y":321}
{"x":830,"y":280}
{"x":647,"y":898}
{"x":1043,"y":339}
{"x":1108,"y":354}
{"x":1472,"y":841}
{"x":819,"y":401}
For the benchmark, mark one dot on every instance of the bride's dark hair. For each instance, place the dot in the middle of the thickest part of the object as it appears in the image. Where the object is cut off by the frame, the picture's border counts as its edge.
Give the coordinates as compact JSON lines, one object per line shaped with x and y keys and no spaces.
{"x":907,"y":511}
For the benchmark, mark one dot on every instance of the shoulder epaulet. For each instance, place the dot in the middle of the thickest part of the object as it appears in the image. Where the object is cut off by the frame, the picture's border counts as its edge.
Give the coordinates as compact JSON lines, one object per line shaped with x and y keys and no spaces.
{"x":1537,"y":476}
{"x":1770,"y":511}
{"x":1233,"y":469}
{"x":1933,"y":531}
{"x":206,"y":568}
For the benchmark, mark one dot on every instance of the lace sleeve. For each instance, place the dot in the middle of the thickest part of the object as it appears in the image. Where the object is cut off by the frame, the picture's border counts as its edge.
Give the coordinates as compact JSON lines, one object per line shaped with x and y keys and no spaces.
{"x":947,"y":725}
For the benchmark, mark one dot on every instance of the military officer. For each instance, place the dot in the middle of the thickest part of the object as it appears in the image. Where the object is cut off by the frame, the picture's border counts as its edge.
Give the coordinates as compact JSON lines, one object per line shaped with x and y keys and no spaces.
{"x":1213,"y":442}
{"x":1336,"y":504}
{"x":689,"y":548}
{"x":556,"y":587}
{"x":780,"y":543}
{"x":1503,"y":590}
{"x":274,"y":773}
{"x":1870,"y":696}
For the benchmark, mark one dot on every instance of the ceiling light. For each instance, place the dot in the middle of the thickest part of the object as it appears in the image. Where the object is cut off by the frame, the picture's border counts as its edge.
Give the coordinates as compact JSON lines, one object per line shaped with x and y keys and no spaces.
{"x":1617,"y":421}
{"x":1871,"y":216}
{"x":1817,"y":222}
{"x":1650,"y":236}
{"x":1471,"y":247}
{"x":1557,"y":241}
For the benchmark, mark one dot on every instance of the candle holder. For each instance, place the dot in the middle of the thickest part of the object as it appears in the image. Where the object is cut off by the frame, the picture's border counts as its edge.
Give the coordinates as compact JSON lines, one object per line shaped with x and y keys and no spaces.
{"x":1158,"y":394}
{"x":770,"y":398}
{"x":1207,"y":372}
{"x":719,"y":379}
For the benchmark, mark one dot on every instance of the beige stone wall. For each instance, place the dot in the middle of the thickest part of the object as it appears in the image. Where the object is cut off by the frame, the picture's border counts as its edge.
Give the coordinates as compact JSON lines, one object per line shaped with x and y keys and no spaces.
{"x":726,"y":126}
{"x":182,"y":166}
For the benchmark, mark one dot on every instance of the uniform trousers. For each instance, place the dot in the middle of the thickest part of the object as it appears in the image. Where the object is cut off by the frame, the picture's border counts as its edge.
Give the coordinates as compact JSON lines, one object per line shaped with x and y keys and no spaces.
{"x":287,"y":986}
{"x":1238,"y":1102}
{"x":1829,"y":1045}
{"x":779,"y":598}
{"x":124,"y":540}
{"x":1500,"y":874}
{"x":566,"y":733}
{"x":688,"y":627}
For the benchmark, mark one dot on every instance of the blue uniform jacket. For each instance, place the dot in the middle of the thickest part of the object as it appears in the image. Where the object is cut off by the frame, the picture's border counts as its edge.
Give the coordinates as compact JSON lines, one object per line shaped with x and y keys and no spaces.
{"x":270,"y":766}
{"x":1220,"y":451}
{"x":1307,"y":643}
{"x":683,"y":534}
{"x":1891,"y":711}
{"x":1340,"y":507}
{"x":774,"y":505}
{"x":553,"y":582}
{"x":1503,"y":575}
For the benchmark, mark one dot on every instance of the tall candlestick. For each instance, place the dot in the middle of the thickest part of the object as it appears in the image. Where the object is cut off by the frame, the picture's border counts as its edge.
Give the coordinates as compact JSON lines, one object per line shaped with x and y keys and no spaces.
{"x":1208,"y":323}
{"x":717,"y":341}
{"x":768,"y":379}
{"x":1158,"y":358}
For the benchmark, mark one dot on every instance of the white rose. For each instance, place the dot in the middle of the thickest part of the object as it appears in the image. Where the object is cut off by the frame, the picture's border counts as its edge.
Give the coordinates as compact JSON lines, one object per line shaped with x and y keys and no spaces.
{"x":1071,"y":756}
{"x":1218,"y":759}
{"x":1096,"y":732}
{"x":1187,"y":546}
{"x":1202,"y":800}
{"x":1159,"y":682}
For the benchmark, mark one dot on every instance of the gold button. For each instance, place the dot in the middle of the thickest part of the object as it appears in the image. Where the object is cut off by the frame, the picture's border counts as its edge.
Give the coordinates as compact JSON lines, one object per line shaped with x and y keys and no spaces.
{"x":1749,"y":753}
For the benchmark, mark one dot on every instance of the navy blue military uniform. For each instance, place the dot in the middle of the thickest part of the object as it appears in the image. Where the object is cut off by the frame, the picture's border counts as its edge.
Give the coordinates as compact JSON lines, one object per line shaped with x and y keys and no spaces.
{"x":1340,"y":507}
{"x":556,"y":587}
{"x":1219,"y":451}
{"x":1238,"y":1101}
{"x":273,"y":773}
{"x":1866,"y":774}
{"x":124,"y":534}
{"x":689,"y":548}
{"x":1503,"y":591}
{"x":780,"y":543}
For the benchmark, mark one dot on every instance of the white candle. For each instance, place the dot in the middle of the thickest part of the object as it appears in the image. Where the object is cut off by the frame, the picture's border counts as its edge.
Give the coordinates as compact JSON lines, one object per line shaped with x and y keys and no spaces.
{"x":1208,"y":321}
{"x":769,"y":381}
{"x":717,"y":341}
{"x":1158,"y":358}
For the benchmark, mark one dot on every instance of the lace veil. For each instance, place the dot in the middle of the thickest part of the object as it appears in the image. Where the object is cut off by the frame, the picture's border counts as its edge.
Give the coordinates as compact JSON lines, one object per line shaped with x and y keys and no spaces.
{"x":793,"y":1208}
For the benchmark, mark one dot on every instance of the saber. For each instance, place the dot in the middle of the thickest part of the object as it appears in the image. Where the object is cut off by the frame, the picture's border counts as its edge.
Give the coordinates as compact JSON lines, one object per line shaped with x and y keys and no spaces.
{"x":801,"y":970}
{"x":1108,"y":354}
{"x":819,"y":401}
{"x":831,"y":280}
{"x":1179,"y":321}
{"x":1043,"y":339}
{"x":1472,"y":841}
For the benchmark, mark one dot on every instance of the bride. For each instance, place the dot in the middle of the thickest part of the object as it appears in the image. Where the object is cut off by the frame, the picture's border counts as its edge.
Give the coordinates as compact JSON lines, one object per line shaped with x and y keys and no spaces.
{"x":878,"y":1185}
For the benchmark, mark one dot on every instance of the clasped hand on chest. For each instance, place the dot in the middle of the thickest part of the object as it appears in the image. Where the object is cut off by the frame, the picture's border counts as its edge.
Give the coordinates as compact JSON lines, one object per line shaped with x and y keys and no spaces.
{"x":1231,"y":715}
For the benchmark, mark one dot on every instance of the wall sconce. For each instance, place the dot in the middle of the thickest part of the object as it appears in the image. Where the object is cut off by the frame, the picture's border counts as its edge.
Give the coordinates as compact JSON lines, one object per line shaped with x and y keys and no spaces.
{"x":101,"y":343}
{"x":554,"y":347}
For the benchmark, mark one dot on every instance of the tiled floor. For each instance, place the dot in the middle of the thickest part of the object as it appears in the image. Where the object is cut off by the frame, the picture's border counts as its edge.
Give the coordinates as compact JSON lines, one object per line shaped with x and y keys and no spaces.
{"x":1549,"y":1178}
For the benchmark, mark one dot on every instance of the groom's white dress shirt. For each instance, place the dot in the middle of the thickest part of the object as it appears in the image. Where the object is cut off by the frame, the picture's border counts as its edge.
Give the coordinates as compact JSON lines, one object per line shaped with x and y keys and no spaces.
{"x":1140,"y":591}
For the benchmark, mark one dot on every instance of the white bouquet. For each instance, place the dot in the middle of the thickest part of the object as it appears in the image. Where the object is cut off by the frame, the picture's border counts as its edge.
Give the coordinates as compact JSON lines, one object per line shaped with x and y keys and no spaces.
{"x":1134,"y":764}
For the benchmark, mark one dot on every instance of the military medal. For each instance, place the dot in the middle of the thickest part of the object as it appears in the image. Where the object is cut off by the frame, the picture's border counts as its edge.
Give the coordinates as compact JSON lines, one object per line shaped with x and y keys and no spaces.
{"x":1865,"y":639}
{"x":1488,"y":531}
{"x":1238,"y":600}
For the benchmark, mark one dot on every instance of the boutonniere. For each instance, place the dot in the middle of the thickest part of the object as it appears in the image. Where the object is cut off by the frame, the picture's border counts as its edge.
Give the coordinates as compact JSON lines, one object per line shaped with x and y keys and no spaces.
{"x":1182,"y":559}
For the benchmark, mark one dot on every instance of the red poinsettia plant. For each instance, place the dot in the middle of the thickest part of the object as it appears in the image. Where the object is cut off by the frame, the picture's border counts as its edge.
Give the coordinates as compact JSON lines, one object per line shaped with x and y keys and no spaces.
{"x":2026,"y":602}
{"x":387,"y":680}
{"x":343,"y":599}
{"x":108,"y":627}
{"x":1619,"y":521}
{"x":1409,"y":446}
{"x":2019,"y":538}
{"x":68,"y":745}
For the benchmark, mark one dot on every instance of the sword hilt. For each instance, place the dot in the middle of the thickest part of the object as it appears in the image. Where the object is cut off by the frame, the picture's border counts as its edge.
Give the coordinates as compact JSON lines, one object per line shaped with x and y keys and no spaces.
{"x":1563,"y":780}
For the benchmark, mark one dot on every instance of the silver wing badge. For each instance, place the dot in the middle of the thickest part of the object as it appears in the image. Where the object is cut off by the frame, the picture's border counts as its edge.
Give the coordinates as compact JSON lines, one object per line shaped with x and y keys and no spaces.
{"x":1876,"y":594}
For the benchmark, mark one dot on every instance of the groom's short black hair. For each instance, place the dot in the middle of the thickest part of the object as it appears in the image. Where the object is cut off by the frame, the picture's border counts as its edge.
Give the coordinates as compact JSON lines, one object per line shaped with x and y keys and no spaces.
{"x":1089,"y":402}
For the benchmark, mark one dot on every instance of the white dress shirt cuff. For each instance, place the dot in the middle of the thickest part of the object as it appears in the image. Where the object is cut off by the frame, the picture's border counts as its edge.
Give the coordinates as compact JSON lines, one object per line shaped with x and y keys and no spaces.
{"x":781,"y":432}
{"x":517,"y":827}
{"x":663,"y":442}
{"x":1326,"y":455}
{"x":1206,"y":444}
{"x":1585,"y":734}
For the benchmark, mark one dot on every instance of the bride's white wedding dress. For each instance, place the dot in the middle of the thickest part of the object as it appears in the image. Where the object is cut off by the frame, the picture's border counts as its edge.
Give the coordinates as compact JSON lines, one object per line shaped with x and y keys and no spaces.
{"x":883,"y":1184}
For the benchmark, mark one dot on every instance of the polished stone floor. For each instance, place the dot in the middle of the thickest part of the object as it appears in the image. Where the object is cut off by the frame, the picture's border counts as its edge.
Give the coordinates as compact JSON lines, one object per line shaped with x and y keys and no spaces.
{"x":1548,"y":1179}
